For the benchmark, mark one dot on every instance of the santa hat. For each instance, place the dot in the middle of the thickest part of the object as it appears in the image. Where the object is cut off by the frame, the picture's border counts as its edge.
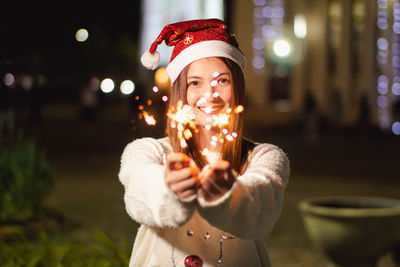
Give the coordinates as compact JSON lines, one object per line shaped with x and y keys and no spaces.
{"x":193,"y":40}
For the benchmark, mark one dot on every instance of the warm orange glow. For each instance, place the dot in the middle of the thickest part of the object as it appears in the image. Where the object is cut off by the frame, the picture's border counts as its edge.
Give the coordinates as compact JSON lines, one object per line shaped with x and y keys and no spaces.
{"x":149,"y":118}
{"x":161,"y":78}
{"x":183,"y":119}
{"x":239,"y":109}
{"x":187,"y":134}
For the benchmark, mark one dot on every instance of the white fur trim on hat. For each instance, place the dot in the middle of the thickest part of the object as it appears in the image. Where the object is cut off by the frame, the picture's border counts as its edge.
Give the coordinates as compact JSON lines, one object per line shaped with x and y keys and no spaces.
{"x":149,"y":60}
{"x":204,"y":49}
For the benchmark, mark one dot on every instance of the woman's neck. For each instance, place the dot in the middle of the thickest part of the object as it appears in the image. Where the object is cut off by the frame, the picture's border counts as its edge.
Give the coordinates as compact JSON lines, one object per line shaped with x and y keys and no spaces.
{"x":204,"y":140}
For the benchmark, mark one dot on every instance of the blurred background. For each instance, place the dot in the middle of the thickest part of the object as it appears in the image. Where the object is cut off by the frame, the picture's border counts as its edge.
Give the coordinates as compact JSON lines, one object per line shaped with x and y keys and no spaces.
{"x":322,"y":81}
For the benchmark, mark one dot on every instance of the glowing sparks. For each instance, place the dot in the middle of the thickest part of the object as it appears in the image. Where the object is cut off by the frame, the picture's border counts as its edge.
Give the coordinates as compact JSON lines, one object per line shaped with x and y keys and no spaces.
{"x":220,"y":120}
{"x":187,"y":134}
{"x":182,"y":118}
{"x":148,"y":118}
{"x":238,"y":109}
{"x":201,"y":101}
{"x":205,"y":152}
{"x":208,"y":110}
{"x":183,"y":143}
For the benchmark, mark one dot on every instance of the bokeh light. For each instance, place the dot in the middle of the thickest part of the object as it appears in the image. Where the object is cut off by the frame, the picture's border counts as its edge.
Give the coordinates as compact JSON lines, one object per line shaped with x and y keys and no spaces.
{"x":300,"y":26}
{"x":127,"y":87}
{"x":81,"y":35}
{"x":258,"y":62}
{"x":382,"y":101}
{"x":161,"y":78}
{"x":396,"y":128}
{"x":282,"y":48}
{"x":382,"y":43}
{"x":396,"y":88}
{"x":107,"y":85}
{"x":8,"y":79}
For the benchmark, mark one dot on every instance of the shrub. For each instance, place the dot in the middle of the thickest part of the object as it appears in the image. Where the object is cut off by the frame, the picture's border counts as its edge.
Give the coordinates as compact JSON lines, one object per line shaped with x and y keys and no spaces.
{"x":47,"y":252}
{"x":25,"y":178}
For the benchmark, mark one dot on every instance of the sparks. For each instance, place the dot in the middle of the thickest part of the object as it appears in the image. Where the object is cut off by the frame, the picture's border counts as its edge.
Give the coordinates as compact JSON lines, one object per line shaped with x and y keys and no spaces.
{"x":238,"y":109}
{"x":149,"y":119}
{"x":182,"y":118}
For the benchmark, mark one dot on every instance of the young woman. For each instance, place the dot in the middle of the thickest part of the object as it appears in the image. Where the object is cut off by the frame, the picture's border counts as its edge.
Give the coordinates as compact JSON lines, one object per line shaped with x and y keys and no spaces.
{"x":196,"y":208}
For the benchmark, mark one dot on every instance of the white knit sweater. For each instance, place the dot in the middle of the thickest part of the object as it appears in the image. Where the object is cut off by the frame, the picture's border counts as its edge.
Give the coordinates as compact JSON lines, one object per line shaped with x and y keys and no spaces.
{"x":234,"y":225}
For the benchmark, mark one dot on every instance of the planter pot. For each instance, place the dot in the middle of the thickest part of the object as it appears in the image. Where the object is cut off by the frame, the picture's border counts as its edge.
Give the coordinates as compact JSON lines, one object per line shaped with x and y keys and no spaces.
{"x":352,"y":231}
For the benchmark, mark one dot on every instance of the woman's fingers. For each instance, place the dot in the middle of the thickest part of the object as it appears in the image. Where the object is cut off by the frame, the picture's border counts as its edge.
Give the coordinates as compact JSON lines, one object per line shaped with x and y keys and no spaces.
{"x":183,"y":185}
{"x":181,"y":175}
{"x":178,"y":161}
{"x":216,"y":179}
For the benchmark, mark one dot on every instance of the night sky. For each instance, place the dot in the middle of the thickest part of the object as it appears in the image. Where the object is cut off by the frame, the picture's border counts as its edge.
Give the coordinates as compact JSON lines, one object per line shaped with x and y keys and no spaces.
{"x":32,"y":31}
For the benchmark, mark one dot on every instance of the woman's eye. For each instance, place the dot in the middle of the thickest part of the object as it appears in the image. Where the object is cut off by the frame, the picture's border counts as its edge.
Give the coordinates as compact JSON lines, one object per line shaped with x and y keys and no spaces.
{"x":193,"y":83}
{"x":223,"y":80}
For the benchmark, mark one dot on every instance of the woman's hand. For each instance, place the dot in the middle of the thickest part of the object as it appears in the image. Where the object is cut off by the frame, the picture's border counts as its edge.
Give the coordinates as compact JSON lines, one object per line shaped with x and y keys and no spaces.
{"x":216,"y":179}
{"x":181,"y":176}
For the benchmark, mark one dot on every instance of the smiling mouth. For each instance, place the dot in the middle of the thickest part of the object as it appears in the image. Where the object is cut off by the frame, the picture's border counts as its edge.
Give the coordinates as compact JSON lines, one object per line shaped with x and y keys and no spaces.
{"x":211,"y":109}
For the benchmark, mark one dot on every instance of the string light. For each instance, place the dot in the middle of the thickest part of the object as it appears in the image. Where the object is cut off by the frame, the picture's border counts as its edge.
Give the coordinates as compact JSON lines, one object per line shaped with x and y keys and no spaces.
{"x":388,"y":60}
{"x":268,"y":21}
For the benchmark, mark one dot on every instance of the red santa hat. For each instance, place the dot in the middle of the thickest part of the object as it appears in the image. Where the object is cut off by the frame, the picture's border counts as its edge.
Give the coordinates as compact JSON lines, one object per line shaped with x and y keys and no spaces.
{"x":193,"y":40}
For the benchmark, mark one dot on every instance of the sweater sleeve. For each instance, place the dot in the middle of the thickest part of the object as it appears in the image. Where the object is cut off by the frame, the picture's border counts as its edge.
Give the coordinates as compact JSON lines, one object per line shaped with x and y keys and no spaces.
{"x":148,"y":200}
{"x":251,"y":208}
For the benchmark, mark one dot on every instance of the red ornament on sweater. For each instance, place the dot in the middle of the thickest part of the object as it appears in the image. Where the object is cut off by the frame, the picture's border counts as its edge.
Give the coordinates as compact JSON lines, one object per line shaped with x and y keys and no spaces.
{"x":193,"y":261}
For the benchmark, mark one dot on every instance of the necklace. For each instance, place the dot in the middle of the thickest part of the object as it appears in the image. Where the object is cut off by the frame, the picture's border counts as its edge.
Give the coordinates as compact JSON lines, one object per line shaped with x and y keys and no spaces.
{"x":196,"y":261}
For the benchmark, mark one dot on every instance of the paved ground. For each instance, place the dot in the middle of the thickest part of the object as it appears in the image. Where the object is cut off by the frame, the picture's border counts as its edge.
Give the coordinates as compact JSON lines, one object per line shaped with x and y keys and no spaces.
{"x":85,"y":157}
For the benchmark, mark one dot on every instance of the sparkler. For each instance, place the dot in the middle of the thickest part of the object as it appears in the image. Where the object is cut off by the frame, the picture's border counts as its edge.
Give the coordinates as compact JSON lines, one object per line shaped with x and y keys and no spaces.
{"x":182,"y":118}
{"x":150,"y":120}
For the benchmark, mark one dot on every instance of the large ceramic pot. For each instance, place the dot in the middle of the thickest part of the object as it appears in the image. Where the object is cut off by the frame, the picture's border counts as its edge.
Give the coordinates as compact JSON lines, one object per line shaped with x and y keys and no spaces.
{"x":352,"y":231}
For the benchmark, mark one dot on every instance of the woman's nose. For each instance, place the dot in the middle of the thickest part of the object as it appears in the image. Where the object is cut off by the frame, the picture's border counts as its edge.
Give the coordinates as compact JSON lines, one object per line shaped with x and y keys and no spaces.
{"x":212,"y":90}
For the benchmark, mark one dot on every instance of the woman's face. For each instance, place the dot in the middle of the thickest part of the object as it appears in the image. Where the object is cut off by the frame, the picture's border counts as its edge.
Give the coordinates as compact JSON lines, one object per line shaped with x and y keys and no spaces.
{"x":209,"y":88}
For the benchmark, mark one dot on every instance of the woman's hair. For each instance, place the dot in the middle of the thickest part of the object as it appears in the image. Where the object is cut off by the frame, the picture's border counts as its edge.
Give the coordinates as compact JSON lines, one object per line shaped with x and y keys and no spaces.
{"x":231,"y":150}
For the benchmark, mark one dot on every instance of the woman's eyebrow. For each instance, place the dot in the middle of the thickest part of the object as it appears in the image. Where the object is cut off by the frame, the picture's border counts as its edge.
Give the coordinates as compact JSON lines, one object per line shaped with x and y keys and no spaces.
{"x":194,"y":77}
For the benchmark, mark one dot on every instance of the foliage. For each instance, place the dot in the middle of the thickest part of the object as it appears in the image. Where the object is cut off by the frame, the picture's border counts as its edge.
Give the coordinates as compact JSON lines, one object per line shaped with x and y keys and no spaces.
{"x":47,"y":252}
{"x":25,"y":178}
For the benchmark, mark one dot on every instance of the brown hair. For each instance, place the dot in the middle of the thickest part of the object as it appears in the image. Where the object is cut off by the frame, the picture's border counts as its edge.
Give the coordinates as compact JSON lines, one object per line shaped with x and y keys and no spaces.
{"x":231,"y":151}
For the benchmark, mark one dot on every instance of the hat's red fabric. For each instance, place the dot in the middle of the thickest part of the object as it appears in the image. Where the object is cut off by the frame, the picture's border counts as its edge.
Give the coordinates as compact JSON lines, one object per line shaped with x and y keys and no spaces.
{"x":186,"y":33}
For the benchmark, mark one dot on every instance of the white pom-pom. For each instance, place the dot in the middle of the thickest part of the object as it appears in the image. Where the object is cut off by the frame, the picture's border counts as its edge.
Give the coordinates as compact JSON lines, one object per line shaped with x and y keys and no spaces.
{"x":150,"y":61}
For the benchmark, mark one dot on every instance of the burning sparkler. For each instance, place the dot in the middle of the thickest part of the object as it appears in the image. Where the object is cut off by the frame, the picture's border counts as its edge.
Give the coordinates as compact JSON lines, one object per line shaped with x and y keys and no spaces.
{"x":150,"y":120}
{"x":182,"y":118}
